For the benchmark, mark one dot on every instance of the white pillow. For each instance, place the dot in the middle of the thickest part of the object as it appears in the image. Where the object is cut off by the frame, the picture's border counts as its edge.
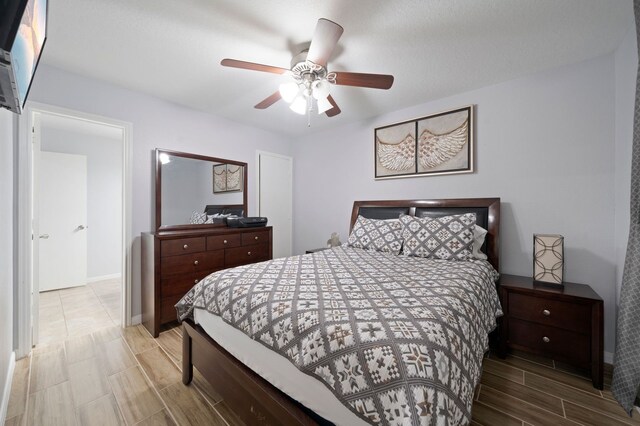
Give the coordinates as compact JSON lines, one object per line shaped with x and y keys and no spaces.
{"x":479,"y":234}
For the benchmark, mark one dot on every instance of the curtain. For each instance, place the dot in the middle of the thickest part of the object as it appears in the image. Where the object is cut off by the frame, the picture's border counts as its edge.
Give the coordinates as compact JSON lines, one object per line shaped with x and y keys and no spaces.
{"x":626,"y":372}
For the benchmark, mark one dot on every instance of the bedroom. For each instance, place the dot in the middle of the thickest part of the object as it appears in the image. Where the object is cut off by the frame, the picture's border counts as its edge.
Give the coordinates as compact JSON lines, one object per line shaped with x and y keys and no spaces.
{"x":553,"y":132}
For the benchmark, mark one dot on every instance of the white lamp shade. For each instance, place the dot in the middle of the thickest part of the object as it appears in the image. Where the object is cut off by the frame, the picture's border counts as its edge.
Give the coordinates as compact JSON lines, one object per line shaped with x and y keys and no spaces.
{"x":320,"y":89}
{"x":289,"y":91}
{"x":299,"y":105}
{"x":324,"y":105}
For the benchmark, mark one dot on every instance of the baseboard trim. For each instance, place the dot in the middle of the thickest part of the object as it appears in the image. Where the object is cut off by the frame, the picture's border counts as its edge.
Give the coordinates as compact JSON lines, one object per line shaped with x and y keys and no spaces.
{"x":103,"y":277}
{"x":6,"y":394}
{"x":136,"y":319}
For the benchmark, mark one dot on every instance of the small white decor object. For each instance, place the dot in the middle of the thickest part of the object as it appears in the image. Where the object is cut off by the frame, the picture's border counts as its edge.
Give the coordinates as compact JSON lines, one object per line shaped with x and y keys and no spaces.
{"x":334,"y":241}
{"x":548,"y":258}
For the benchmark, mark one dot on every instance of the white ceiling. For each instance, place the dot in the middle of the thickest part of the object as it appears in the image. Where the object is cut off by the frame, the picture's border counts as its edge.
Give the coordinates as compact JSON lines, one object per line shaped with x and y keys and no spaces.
{"x":434,"y":48}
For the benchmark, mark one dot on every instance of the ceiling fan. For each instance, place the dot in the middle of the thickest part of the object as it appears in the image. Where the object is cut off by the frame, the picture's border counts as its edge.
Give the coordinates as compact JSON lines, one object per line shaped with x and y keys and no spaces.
{"x":310,"y":79}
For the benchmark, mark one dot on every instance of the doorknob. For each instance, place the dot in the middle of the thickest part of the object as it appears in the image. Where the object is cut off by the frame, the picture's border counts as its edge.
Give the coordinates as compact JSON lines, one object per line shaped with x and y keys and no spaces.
{"x":44,"y":236}
{"x":81,"y":228}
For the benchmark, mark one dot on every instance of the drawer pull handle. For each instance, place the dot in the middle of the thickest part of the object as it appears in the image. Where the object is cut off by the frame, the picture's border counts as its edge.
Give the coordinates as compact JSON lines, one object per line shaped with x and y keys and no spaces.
{"x":546,"y":312}
{"x":195,"y":262}
{"x":186,"y":246}
{"x":546,"y":339}
{"x":249,"y":253}
{"x":256,"y":237}
{"x":224,"y":242}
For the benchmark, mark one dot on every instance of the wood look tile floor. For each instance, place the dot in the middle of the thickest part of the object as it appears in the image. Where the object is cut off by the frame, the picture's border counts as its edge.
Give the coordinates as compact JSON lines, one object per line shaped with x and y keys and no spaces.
{"x":78,"y":311}
{"x":117,"y":376}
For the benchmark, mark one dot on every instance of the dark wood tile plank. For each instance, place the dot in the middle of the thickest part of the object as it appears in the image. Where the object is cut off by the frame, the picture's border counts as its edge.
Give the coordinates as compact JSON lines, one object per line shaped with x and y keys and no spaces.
{"x":487,"y":415}
{"x":590,"y":417}
{"x":550,"y":373}
{"x":502,"y":369}
{"x":521,"y":409}
{"x":525,"y":393}
{"x":568,"y":393}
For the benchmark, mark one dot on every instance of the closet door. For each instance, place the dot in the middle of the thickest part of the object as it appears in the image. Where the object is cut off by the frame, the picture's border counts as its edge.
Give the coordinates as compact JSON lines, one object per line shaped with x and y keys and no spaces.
{"x":275,"y":199}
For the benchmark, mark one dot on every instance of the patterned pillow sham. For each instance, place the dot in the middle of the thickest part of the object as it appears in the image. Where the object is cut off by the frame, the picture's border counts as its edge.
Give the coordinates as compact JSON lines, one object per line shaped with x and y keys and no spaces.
{"x":373,"y":234}
{"x":197,"y":218}
{"x":447,"y":237}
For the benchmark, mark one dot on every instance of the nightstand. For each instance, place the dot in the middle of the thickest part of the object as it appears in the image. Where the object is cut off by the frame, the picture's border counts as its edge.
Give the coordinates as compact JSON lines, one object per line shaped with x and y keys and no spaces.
{"x":316,"y":250}
{"x":563,"y":323}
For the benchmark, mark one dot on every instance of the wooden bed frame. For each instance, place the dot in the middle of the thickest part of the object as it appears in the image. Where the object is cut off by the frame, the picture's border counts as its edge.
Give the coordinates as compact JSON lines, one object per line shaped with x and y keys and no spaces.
{"x":255,"y":400}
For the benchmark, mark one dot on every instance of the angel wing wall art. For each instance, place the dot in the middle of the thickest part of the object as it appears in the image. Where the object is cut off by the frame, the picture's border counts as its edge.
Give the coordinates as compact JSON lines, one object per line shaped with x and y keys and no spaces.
{"x":438,"y":144}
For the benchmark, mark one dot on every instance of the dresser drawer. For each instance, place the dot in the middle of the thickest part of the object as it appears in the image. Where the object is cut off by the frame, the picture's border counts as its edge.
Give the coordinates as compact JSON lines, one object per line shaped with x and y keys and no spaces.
{"x":218,"y":242}
{"x":182,"y":246}
{"x":180,"y":284}
{"x":196,"y":262}
{"x":551,"y":341}
{"x":556,"y":313}
{"x":257,"y":237}
{"x":243,"y":255}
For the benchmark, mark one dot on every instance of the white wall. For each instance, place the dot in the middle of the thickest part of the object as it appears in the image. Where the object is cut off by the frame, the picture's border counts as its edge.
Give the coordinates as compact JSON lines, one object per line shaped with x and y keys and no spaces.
{"x":6,"y":248}
{"x":626,"y":68}
{"x":104,"y":194}
{"x":545,"y":145}
{"x":156,"y":124}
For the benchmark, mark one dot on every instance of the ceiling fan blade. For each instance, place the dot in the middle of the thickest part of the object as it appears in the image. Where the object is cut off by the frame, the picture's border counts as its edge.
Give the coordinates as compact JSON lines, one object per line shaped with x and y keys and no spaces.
{"x":252,"y":66}
{"x":266,"y":103}
{"x":333,"y":111}
{"x":324,"y":41}
{"x":374,"y":81}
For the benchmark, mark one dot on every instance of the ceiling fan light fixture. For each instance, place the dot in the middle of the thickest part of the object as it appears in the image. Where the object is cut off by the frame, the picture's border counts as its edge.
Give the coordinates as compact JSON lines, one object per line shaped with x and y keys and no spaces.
{"x":299,"y":105}
{"x":320,"y":89}
{"x":289,"y":91}
{"x":323,"y":105}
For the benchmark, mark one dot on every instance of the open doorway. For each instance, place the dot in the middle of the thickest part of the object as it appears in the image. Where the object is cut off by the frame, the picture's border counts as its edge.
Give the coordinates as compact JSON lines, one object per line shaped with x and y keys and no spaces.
{"x":79,"y":266}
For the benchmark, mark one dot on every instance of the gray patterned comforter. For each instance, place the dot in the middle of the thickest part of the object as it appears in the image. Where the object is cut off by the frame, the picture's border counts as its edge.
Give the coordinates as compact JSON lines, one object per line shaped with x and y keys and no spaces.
{"x":399,"y":340}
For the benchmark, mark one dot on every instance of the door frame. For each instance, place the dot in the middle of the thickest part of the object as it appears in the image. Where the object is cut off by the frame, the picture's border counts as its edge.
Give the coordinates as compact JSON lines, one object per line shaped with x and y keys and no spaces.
{"x":26,"y":241}
{"x":286,"y":157}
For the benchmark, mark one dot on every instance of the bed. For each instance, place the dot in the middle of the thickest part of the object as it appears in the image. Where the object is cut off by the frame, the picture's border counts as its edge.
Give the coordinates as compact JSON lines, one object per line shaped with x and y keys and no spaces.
{"x":346,"y":335}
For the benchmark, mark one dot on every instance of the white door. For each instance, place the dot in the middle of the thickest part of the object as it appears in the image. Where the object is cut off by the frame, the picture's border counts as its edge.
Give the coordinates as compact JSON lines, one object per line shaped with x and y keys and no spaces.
{"x":275,"y":183}
{"x":62,"y":220}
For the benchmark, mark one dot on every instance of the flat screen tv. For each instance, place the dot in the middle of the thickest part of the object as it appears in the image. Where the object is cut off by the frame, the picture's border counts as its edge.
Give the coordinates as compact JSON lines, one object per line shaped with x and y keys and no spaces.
{"x":23,"y":32}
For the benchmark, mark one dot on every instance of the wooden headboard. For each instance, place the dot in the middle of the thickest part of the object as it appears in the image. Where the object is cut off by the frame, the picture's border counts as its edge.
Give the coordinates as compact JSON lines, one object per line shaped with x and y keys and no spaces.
{"x":487,"y":212}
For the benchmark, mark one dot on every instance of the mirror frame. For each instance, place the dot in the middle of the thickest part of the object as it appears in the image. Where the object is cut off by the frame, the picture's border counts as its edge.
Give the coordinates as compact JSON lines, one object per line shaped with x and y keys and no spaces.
{"x":158,"y":189}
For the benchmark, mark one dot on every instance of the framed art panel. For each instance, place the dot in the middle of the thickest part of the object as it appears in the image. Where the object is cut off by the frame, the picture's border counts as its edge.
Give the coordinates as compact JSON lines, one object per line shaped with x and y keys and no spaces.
{"x":442,"y":144}
{"x":234,"y":178}
{"x":396,"y":150}
{"x":219,"y":178}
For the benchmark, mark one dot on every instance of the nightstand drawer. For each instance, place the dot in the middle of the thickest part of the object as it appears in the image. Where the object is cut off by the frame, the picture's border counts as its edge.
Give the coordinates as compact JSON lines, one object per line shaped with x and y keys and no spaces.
{"x":550,"y":341}
{"x":556,"y":313}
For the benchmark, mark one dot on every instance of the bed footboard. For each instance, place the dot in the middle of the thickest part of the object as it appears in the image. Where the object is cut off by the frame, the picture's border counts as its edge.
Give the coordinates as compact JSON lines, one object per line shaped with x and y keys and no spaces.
{"x":251,"y":397}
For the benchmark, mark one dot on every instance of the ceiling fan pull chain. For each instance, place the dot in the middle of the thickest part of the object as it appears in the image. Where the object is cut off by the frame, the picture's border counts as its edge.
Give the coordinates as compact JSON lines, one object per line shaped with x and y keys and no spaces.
{"x":309,"y":108}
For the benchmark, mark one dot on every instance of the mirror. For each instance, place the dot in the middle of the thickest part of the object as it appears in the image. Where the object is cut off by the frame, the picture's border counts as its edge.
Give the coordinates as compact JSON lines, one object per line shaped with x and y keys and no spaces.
{"x":195,"y":191}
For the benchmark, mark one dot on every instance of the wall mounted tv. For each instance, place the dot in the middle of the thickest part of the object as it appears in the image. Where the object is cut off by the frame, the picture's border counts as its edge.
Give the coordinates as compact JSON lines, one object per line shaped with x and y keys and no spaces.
{"x":23,"y":32}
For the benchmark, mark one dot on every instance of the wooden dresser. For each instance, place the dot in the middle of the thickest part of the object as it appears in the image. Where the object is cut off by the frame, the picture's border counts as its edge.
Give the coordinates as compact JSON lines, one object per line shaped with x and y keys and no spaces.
{"x":564,"y":323}
{"x":173,"y":261}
